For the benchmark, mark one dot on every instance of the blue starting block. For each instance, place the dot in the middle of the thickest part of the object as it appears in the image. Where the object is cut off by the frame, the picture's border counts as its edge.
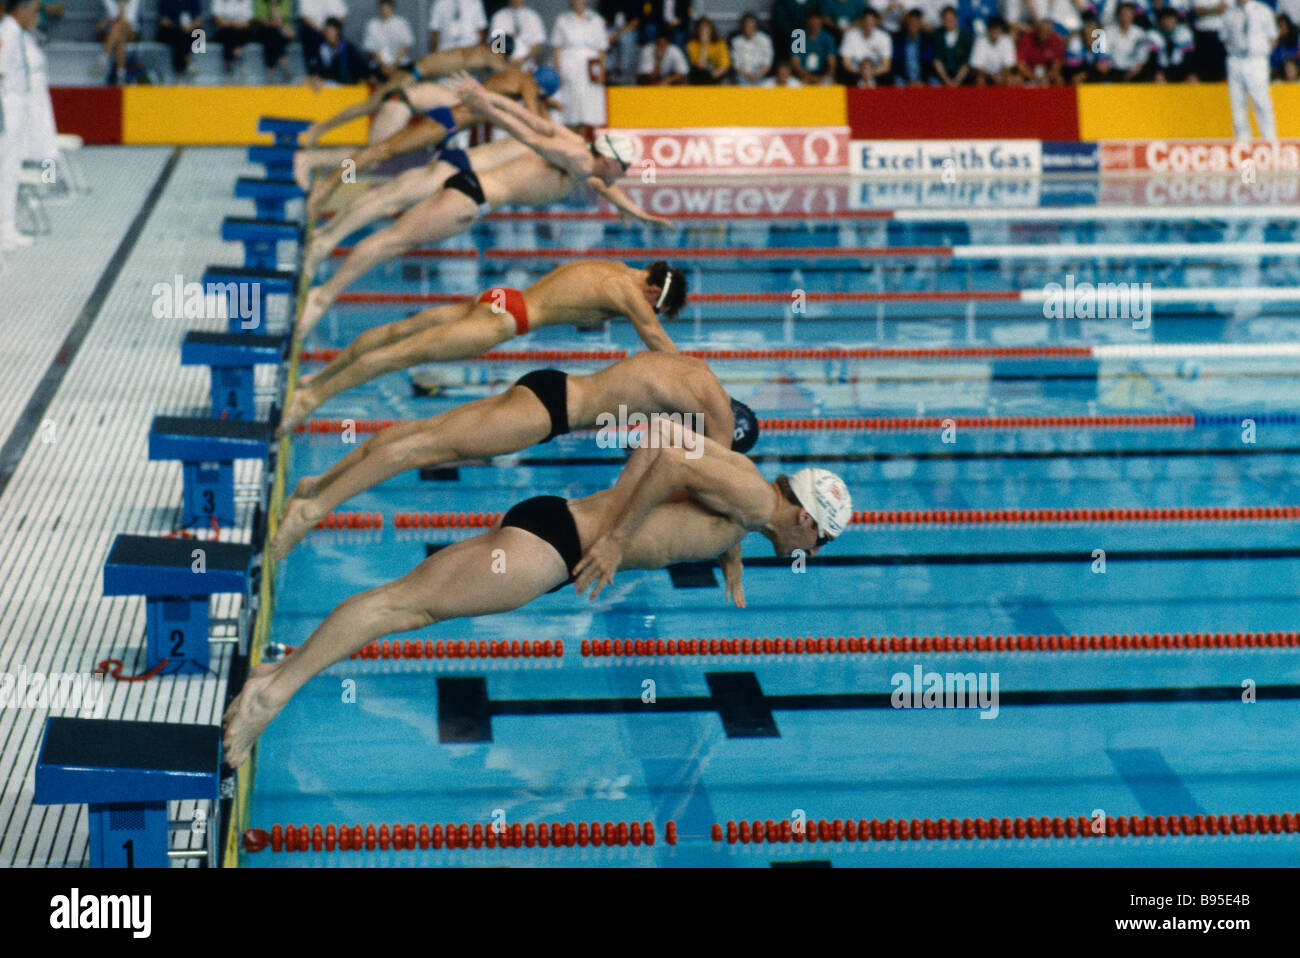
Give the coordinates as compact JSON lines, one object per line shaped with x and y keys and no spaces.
{"x":177,"y":577}
{"x":127,"y":772}
{"x":277,"y":160}
{"x":269,"y":196}
{"x":259,"y":238}
{"x":284,"y":130}
{"x":208,"y":448}
{"x":246,"y":291}
{"x":231,"y":357}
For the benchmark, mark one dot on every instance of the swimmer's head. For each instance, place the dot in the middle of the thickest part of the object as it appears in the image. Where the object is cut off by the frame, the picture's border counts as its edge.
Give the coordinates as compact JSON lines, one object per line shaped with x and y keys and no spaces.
{"x":548,"y":81}
{"x":669,"y":284}
{"x":614,"y":153}
{"x":27,"y":13}
{"x":820,"y":508}
{"x":746,"y":427}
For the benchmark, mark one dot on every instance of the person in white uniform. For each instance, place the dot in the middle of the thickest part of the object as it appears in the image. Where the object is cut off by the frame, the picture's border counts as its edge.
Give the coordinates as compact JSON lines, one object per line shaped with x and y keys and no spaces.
{"x":580,"y":40}
{"x":389,"y":40}
{"x":15,"y":100}
{"x":42,"y":135}
{"x":456,"y":23}
{"x":525,"y":29}
{"x":1249,"y":31}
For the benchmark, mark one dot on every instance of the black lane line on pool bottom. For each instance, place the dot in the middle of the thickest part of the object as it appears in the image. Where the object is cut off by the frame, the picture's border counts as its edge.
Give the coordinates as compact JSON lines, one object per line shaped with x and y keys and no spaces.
{"x":33,"y":413}
{"x":465,"y":710}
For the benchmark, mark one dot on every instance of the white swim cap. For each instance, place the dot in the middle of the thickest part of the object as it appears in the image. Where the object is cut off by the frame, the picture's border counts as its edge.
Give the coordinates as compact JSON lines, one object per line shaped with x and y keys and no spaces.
{"x":616,"y":146}
{"x":825,"y":497}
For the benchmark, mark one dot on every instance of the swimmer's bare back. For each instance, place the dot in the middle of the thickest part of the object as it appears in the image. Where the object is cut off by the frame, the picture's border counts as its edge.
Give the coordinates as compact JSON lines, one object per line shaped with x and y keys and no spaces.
{"x":583,"y":293}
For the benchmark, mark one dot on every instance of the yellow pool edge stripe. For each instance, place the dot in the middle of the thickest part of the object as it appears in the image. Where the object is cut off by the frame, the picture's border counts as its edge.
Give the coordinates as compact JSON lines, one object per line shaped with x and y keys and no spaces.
{"x":223,"y":116}
{"x":678,"y":108}
{"x":242,"y":806}
{"x":1155,"y":111}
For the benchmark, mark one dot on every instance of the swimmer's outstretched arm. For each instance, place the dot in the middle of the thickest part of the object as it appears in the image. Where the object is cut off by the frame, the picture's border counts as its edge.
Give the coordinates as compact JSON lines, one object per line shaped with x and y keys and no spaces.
{"x":517,"y":120}
{"x":624,"y":203}
{"x":722,"y":481}
{"x":732,"y":571}
{"x":644,"y":320}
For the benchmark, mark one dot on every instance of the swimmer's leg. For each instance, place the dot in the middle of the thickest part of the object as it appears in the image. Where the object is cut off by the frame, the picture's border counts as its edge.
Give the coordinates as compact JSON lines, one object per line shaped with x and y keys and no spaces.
{"x":442,"y":215}
{"x":494,"y":426}
{"x":306,"y":162}
{"x":381,"y":201}
{"x":455,"y":582}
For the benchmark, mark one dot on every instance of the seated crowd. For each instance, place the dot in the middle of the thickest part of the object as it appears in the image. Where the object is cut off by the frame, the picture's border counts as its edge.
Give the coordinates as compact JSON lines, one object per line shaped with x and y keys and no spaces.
{"x":801,"y":42}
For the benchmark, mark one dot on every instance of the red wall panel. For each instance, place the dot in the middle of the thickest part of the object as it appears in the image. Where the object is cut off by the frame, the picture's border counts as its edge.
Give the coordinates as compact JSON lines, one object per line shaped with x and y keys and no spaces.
{"x":92,"y":112}
{"x":964,"y":113}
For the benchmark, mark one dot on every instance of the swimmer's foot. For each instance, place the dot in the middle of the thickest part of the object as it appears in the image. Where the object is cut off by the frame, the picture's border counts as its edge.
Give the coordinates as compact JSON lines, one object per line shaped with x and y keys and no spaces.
{"x":300,"y":516}
{"x":318,"y":250}
{"x":302,"y":168}
{"x":250,"y":713}
{"x":313,"y":308}
{"x":300,"y":406}
{"x":316,"y":200}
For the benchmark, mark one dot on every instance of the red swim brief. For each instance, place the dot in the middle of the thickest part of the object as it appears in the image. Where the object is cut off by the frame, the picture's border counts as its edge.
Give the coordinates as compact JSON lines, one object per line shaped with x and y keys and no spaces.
{"x":510,"y":301}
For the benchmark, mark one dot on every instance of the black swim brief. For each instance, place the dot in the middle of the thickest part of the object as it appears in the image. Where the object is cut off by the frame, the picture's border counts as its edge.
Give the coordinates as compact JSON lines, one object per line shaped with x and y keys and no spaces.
{"x":549,"y":518}
{"x":552,"y":387}
{"x":466,"y":181}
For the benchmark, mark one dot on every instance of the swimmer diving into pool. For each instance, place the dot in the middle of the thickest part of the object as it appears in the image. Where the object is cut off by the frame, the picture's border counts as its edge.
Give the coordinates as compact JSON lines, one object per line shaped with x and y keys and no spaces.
{"x":664,"y":508}
{"x":438,"y":114}
{"x":583,"y":294}
{"x":540,"y":406}
{"x":556,"y":162}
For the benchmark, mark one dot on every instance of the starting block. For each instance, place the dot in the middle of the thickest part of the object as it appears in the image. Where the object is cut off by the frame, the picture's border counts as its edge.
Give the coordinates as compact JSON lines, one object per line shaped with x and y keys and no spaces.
{"x":269,"y":196}
{"x":208,"y":449}
{"x":231,"y":358}
{"x":277,"y":160}
{"x":284,"y":130}
{"x":177,"y":577}
{"x":127,"y":772}
{"x":259,"y":238}
{"x":246,"y":291}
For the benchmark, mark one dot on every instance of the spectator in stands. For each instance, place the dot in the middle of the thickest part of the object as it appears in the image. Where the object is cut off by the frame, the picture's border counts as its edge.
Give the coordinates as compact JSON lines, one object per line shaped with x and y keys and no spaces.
{"x":120,"y":27}
{"x":388,"y":40}
{"x":707,"y":54}
{"x":1210,"y":55}
{"x":673,"y":18}
{"x":1172,"y":46}
{"x":234,"y":23}
{"x":782,"y":75}
{"x":579,"y":39}
{"x":930,"y":13}
{"x":273,"y":27}
{"x":1249,"y":31}
{"x":1020,"y":17}
{"x":1084,"y":49}
{"x":1040,"y":55}
{"x":913,"y":52}
{"x":456,"y":23}
{"x":1286,"y":48}
{"x":866,"y":52}
{"x":1128,"y":47}
{"x":662,"y":64}
{"x":1066,"y":15}
{"x":751,"y":52}
{"x":814,"y":59}
{"x":976,"y":14}
{"x":1291,"y":70}
{"x":993,"y":55}
{"x":312,"y":15}
{"x":840,"y":15}
{"x":16,"y":109}
{"x":625,"y":17}
{"x":177,"y":21}
{"x":952,"y":49}
{"x":789,"y":16}
{"x":335,"y":59}
{"x":523,"y":28}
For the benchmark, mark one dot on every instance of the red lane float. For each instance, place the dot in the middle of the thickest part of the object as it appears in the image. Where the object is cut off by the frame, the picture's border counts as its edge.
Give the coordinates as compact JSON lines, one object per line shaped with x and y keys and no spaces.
{"x":326,"y":355}
{"x":453,"y":836}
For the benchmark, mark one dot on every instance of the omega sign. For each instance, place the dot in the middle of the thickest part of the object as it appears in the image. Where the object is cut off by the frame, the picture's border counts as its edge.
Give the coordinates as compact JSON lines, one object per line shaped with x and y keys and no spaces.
{"x":741,"y":150}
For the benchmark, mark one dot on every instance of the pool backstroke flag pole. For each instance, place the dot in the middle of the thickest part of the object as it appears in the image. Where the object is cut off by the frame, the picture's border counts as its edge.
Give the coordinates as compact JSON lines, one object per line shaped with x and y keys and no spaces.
{"x":825,"y":497}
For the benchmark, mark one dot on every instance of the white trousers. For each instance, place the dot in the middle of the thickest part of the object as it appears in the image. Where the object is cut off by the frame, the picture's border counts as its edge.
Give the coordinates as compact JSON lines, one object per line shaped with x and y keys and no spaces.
{"x":13,"y":147}
{"x":1248,"y":79}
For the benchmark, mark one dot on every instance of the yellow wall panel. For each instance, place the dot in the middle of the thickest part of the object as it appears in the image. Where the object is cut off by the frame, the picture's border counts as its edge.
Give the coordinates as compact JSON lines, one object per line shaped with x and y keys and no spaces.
{"x":657,"y":107}
{"x":1151,"y":111}
{"x":186,"y":116}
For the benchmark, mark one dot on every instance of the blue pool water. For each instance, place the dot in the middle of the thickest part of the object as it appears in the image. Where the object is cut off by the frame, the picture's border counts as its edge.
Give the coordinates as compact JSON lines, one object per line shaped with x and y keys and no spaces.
{"x":1105,"y":733}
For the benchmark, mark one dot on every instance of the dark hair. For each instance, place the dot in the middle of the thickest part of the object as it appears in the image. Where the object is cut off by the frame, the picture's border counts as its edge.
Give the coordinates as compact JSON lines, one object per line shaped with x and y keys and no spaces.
{"x":748,"y":15}
{"x":336,"y":23}
{"x":783,"y":486}
{"x":745,"y":431}
{"x":996,"y":22}
{"x":949,"y":9}
{"x":12,"y":5}
{"x":916,"y":12}
{"x":659,"y":272}
{"x":1126,"y":3}
{"x":872,"y":11}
